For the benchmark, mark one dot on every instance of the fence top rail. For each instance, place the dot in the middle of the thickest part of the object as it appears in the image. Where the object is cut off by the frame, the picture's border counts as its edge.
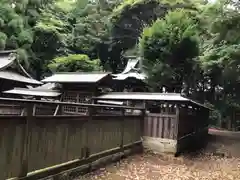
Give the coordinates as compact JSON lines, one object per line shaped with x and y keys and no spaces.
{"x":30,"y":101}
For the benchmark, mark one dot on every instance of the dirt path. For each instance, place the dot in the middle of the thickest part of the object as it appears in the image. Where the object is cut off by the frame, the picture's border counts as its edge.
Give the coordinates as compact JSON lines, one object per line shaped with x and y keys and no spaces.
{"x":203,"y":166}
{"x":226,"y":142}
{"x":154,"y":167}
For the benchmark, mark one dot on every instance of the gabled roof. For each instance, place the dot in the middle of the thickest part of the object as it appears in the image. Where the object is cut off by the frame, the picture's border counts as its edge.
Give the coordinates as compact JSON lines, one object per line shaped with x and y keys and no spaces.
{"x":76,"y":77}
{"x":33,"y":92}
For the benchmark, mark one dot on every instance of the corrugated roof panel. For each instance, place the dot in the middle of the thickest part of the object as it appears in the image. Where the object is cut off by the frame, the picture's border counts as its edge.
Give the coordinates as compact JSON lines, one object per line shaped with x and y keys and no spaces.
{"x":143,"y":96}
{"x":76,"y":77}
{"x":33,"y":92}
{"x":17,"y":77}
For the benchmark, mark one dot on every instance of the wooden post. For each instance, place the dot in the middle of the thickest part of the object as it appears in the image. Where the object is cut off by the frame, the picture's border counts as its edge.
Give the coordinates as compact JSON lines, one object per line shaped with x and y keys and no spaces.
{"x":89,"y":121}
{"x":34,"y":109}
{"x":143,"y":122}
{"x":26,"y":141}
{"x":122,"y":130}
{"x":176,"y":133}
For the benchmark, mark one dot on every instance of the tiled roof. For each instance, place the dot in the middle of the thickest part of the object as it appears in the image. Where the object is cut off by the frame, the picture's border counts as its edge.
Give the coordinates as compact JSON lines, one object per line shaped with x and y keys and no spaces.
{"x":76,"y":77}
{"x":33,"y":92}
{"x":17,"y":77}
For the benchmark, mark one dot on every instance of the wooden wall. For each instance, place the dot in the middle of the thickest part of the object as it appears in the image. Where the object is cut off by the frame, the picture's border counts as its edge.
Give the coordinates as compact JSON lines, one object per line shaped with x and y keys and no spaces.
{"x":163,"y":124}
{"x":192,"y":127}
{"x":29,"y":143}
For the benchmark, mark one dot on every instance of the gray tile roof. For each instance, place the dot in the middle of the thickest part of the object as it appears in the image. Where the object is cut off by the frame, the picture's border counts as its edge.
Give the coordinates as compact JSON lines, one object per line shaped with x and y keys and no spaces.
{"x":47,"y":86}
{"x":17,"y":77}
{"x":110,"y":102}
{"x":146,"y":96}
{"x":142,"y":96}
{"x":76,"y":77}
{"x":33,"y":92}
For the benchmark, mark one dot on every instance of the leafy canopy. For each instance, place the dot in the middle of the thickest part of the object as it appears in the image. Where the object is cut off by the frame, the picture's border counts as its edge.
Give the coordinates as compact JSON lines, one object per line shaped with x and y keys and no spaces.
{"x":168,"y":48}
{"x":74,"y":63}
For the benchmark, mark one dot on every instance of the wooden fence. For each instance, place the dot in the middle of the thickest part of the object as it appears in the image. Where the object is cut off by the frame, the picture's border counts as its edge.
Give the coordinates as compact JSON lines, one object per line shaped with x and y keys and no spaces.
{"x":30,"y":143}
{"x":186,"y":125}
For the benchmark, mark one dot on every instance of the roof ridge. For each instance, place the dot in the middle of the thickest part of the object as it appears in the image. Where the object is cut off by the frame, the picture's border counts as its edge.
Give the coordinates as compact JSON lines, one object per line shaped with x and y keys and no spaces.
{"x":33,"y":89}
{"x":8,"y":51}
{"x":147,"y":93}
{"x":93,"y":72}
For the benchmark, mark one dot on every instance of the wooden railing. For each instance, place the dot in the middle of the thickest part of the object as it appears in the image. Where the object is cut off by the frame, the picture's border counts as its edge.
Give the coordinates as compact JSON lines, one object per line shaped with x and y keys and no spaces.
{"x":35,"y":146}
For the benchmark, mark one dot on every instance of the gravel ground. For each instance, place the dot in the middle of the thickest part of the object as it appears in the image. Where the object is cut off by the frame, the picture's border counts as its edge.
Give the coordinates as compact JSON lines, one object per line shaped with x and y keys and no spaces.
{"x":156,"y":167}
{"x":219,"y":161}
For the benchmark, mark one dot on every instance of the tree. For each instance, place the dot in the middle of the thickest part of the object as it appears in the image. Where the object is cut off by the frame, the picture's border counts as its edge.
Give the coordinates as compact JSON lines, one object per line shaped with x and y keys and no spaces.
{"x":18,"y":20}
{"x":128,"y":21}
{"x":91,"y":30}
{"x":220,"y":57}
{"x":169,"y":47}
{"x":74,"y":63}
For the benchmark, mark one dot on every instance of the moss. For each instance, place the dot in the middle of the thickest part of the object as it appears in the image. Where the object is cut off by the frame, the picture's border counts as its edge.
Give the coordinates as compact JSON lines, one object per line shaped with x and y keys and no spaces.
{"x":131,"y":4}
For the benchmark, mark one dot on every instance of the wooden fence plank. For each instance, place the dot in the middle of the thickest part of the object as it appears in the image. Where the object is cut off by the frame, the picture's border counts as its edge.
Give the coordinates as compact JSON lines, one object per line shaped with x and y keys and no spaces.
{"x":154,"y":125}
{"x":56,"y":141}
{"x":12,"y":135}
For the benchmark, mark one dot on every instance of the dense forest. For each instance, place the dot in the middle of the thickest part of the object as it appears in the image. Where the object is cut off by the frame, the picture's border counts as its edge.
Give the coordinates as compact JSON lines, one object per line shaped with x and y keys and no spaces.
{"x":189,"y":46}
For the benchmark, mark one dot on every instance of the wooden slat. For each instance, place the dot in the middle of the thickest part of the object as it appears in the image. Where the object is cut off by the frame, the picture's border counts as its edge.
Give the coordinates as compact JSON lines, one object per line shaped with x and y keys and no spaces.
{"x":149,"y":122}
{"x":160,"y":127}
{"x":155,"y":120}
{"x":157,"y":127}
{"x":163,"y":127}
{"x":169,"y":128}
{"x":166,"y":127}
{"x":172,"y":128}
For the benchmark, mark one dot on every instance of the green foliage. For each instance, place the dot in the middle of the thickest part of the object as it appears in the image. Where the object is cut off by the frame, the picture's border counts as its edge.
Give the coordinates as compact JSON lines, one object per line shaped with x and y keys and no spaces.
{"x":74,"y":63}
{"x":127,"y":5}
{"x":91,"y":26}
{"x":3,"y":38}
{"x":22,"y":56}
{"x":169,"y":47}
